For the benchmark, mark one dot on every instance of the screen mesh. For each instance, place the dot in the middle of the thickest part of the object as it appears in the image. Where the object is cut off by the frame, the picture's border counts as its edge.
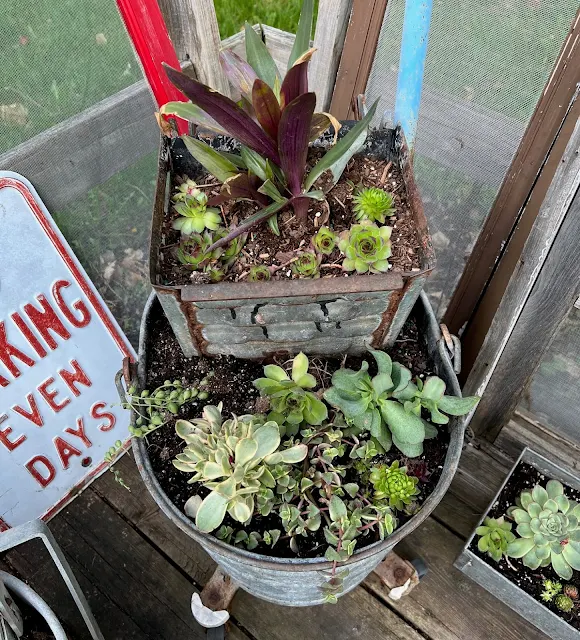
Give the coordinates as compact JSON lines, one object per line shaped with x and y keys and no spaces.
{"x":553,"y":394}
{"x":487,"y":65}
{"x":58,"y":58}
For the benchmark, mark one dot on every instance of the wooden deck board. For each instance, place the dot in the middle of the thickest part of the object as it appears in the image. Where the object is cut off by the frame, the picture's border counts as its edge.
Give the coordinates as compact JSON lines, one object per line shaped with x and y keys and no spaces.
{"x":139,"y":571}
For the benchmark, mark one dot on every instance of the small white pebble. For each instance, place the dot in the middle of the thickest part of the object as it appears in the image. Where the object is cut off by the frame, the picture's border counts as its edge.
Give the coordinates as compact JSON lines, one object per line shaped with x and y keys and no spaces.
{"x":317,"y":214}
{"x":264,"y":255}
{"x":394,"y":183}
{"x":289,"y":272}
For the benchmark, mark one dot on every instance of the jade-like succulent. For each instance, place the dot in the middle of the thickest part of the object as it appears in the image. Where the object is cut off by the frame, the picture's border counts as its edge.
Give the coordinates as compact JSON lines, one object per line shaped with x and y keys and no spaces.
{"x":551,"y":590}
{"x":290,"y":401}
{"x":366,"y":248}
{"x":307,"y":265}
{"x":373,"y":204}
{"x":393,"y":483}
{"x":324,"y":241}
{"x":259,"y":273}
{"x":495,"y":534}
{"x":234,"y":459}
{"x":385,"y":406}
{"x":194,"y":215}
{"x":564,"y":603}
{"x":548,"y":529}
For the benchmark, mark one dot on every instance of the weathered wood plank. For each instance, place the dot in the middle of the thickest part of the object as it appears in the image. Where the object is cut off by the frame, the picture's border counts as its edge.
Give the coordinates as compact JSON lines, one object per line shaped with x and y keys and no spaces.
{"x":447,"y":605}
{"x":540,"y":293}
{"x":193,"y":28}
{"x":331,"y":26}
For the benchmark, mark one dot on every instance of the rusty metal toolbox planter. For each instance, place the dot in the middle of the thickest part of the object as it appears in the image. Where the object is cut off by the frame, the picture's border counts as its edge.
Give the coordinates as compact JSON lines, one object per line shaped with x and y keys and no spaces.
{"x":324,"y":316}
{"x":296,"y":581}
{"x":502,"y":588}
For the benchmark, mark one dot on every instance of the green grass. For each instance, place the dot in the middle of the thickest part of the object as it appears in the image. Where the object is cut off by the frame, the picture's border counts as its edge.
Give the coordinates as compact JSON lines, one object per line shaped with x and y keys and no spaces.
{"x":282,"y":14}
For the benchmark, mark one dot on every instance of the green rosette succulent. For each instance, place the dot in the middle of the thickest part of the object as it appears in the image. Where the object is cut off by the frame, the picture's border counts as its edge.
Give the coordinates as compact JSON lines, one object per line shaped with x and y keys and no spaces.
{"x":307,"y":265}
{"x":496,"y":534}
{"x":290,"y":401}
{"x":236,"y":459}
{"x":393,"y":483}
{"x":548,"y":528}
{"x":373,"y":204}
{"x":564,"y":603}
{"x":324,"y":241}
{"x":259,"y":273}
{"x":194,"y":214}
{"x":195,"y":253}
{"x":366,"y":248}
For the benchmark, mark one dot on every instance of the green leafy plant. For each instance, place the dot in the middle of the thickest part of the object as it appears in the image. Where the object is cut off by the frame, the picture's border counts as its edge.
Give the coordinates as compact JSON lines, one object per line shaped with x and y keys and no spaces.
{"x":234,"y":459}
{"x":194,"y":214}
{"x":385,"y":404}
{"x":564,"y":603}
{"x":197,"y":253}
{"x":373,"y":204}
{"x":496,"y":534}
{"x":324,"y":241}
{"x":274,"y":123}
{"x":259,"y":273}
{"x":290,"y":401}
{"x":393,"y":484}
{"x":306,"y":265}
{"x":155,"y":408}
{"x":548,"y":528}
{"x":551,"y":590}
{"x":366,"y":248}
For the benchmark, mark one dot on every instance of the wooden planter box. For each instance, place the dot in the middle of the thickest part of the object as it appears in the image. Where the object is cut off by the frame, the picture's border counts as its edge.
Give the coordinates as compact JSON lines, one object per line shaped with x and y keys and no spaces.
{"x":258,"y":319}
{"x":497,"y":584}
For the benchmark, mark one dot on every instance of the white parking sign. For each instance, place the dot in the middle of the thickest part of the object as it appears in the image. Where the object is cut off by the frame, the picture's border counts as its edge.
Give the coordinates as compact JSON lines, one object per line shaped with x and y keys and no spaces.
{"x":59,"y":351}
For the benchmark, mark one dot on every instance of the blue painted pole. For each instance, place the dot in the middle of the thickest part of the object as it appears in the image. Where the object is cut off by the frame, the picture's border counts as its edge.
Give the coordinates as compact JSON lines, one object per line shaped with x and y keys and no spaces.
{"x":412,"y":66}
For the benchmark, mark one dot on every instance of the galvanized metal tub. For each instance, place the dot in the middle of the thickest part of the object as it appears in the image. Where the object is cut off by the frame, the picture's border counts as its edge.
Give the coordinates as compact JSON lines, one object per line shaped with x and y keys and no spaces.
{"x":324,"y":316}
{"x":290,"y":581}
{"x":502,"y":588}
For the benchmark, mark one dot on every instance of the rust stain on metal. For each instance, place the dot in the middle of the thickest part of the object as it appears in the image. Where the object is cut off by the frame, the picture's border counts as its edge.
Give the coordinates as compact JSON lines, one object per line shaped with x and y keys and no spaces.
{"x":386,"y":319}
{"x":195,"y":328}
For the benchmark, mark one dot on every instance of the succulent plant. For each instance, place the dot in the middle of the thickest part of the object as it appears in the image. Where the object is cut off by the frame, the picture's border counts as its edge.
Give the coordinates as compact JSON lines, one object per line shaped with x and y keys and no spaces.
{"x":195,"y":252}
{"x":274,"y":123}
{"x":571,"y":591}
{"x":324,"y":241}
{"x":366,"y":248}
{"x":548,"y":529}
{"x":259,"y":273}
{"x":393,"y":484}
{"x":290,"y":401}
{"x":307,"y":265}
{"x":384,"y":405}
{"x":194,"y":214}
{"x":551,"y":590}
{"x":234,"y":459}
{"x":564,"y":603}
{"x":495,"y":534}
{"x":373,"y":204}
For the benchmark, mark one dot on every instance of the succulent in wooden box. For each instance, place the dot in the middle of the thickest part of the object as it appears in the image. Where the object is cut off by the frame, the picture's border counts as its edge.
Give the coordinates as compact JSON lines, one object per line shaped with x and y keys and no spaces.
{"x":373,"y":204}
{"x":366,"y":248}
{"x":495,"y":536}
{"x":194,"y":214}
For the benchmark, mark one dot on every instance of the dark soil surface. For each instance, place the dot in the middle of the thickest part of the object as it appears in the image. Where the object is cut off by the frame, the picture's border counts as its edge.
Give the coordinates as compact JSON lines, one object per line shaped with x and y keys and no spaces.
{"x":231,"y":384}
{"x":530,"y":580}
{"x":265,"y":248}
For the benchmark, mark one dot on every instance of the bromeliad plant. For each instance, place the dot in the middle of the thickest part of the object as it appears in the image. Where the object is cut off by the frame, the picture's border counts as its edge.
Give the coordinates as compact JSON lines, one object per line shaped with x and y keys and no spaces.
{"x":389,"y":405}
{"x":274,"y":121}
